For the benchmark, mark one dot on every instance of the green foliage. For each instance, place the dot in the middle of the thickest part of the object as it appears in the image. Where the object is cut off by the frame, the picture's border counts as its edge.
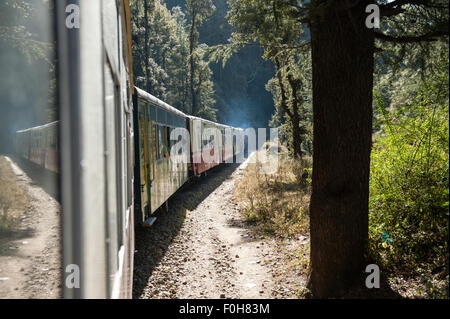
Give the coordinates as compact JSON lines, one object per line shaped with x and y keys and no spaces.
{"x":169,"y":56}
{"x":15,"y":32}
{"x":28,"y":81}
{"x":275,"y":26}
{"x":300,"y":70}
{"x":409,"y":183}
{"x":201,"y":86}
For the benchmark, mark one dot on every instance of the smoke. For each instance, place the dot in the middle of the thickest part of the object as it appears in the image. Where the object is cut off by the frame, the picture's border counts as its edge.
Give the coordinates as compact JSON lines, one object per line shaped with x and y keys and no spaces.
{"x":26,"y":64}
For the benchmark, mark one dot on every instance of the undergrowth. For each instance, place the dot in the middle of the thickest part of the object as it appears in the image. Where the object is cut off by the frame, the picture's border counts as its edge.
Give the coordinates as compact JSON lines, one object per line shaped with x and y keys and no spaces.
{"x":13,"y":199}
{"x":278,"y":204}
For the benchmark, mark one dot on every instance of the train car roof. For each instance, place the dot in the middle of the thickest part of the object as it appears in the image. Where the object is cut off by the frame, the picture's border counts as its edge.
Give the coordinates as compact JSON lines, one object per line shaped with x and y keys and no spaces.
{"x":211,"y":122}
{"x":38,"y":127}
{"x":157,"y":102}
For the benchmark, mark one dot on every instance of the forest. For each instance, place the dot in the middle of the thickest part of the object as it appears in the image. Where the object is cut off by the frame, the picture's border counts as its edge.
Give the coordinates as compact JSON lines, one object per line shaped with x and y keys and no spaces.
{"x":362,"y":111}
{"x":373,"y":100}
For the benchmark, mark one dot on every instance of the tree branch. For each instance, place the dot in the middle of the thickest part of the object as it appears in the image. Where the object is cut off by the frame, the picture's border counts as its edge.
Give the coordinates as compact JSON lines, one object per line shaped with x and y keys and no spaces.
{"x":398,"y":3}
{"x":391,"y":12}
{"x":432,"y":36}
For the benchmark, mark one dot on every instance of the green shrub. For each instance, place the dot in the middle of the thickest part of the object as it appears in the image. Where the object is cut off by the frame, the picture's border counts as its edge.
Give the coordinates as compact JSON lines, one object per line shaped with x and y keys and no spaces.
{"x":409,"y":183}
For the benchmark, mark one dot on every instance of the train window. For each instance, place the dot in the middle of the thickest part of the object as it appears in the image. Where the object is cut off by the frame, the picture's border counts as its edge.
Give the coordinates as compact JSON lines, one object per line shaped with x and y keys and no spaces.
{"x":180,"y":150}
{"x":112,"y":180}
{"x":130,"y":163}
{"x":208,"y":142}
{"x":211,"y":141}
{"x":142,"y":149}
{"x":154,"y":142}
{"x":167,"y":138}
{"x":162,"y":145}
{"x":161,"y":116}
{"x":159,"y":141}
{"x":152,"y":112}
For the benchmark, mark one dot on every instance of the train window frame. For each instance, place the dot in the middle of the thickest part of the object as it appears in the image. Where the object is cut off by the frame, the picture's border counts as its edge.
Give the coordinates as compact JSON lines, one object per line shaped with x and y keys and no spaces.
{"x":113,"y":214}
{"x":167,"y":139}
{"x":130,"y":161}
{"x":158,"y":140}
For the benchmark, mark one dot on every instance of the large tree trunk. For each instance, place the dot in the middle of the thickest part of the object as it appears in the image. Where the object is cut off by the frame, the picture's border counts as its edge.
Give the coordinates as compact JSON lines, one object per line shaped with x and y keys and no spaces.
{"x":146,"y":47}
{"x":192,"y":47}
{"x":342,"y":60}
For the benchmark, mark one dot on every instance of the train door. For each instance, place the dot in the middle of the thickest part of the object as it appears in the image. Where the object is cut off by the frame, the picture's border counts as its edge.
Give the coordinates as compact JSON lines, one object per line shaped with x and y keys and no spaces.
{"x":112,"y":147}
{"x":145,"y":157}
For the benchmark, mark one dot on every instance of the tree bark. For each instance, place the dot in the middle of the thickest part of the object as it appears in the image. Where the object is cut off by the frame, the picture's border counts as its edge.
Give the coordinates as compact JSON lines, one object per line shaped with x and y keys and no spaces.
{"x":293,"y":115}
{"x":342,"y":58}
{"x":192,"y":46}
{"x":146,"y":47}
{"x":295,"y":119}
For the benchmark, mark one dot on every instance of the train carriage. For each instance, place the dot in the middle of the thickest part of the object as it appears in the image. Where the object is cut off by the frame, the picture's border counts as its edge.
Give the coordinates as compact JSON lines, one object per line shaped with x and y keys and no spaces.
{"x":206,"y":140}
{"x":112,"y":147}
{"x":226,"y":147}
{"x":23,"y":143}
{"x":159,"y":172}
{"x":51,"y":147}
{"x":95,"y":86}
{"x":39,"y":145}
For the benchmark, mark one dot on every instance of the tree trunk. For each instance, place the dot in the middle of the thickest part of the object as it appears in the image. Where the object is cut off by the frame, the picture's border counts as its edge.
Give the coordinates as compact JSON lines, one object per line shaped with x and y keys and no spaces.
{"x":293,"y":115}
{"x":192,"y":45}
{"x":342,"y":60}
{"x":295,"y":119}
{"x":146,"y":46}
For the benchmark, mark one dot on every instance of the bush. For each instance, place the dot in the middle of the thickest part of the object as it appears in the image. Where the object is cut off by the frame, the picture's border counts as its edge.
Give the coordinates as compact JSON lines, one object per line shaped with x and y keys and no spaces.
{"x":13,"y":199}
{"x":409,"y":186}
{"x":278,"y":203}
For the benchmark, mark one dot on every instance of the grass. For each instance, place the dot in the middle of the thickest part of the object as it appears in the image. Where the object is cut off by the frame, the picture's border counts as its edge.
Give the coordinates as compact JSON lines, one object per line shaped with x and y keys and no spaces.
{"x":13,"y":199}
{"x":278,"y":204}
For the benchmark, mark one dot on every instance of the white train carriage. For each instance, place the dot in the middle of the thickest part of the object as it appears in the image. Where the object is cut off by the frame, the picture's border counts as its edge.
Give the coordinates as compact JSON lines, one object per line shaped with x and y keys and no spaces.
{"x":211,"y":144}
{"x":95,"y":85}
{"x":39,"y":145}
{"x":159,"y":172}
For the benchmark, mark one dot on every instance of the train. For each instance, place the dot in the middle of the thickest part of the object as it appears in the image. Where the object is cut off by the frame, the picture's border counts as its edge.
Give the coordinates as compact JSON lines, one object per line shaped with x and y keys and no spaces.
{"x":112,"y":148}
{"x":39,"y":145}
{"x":159,"y":175}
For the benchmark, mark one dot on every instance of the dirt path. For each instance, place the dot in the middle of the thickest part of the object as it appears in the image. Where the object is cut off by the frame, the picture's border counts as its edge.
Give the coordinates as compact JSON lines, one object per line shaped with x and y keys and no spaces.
{"x":30,"y":257}
{"x":203,"y":248}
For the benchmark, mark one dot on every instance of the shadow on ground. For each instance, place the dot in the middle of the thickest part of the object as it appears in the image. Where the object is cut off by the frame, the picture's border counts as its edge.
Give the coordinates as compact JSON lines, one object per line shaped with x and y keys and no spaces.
{"x":152,"y":243}
{"x":46,"y":179}
{"x":7,"y":246}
